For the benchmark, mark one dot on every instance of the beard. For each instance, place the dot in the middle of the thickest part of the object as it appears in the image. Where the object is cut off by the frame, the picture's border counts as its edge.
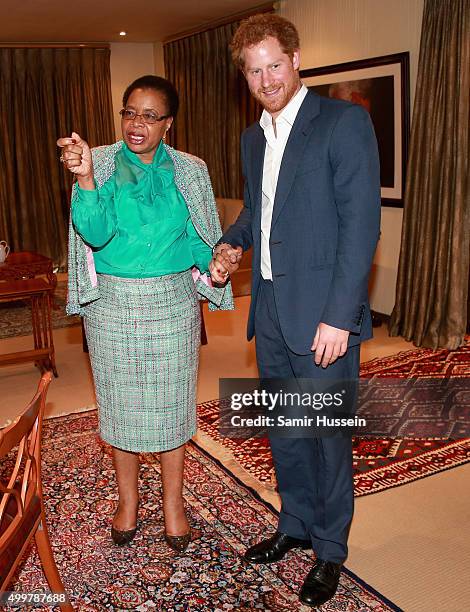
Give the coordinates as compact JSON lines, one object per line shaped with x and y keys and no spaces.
{"x":277,"y":102}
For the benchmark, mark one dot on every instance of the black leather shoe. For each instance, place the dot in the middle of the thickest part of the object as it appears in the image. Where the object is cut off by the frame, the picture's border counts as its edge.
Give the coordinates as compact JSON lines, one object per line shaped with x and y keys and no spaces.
{"x":178,"y":543}
{"x":274,"y":548}
{"x":121,"y":538}
{"x":321,"y":583}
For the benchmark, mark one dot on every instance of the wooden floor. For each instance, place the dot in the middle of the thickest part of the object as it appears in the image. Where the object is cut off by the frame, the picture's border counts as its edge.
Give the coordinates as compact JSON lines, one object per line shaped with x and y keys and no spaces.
{"x":411,"y":543}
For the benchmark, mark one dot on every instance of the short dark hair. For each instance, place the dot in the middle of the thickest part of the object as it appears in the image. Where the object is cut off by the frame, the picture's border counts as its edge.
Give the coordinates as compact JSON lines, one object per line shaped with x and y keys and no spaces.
{"x":150,"y":81}
{"x":257,"y":28}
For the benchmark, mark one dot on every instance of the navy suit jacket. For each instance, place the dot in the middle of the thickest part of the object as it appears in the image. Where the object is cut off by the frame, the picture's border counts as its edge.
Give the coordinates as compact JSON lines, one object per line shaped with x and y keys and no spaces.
{"x":325,"y":223}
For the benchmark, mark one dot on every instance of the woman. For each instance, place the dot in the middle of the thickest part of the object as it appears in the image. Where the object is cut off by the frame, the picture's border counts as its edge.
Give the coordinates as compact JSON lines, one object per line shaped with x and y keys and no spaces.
{"x":143,"y":215}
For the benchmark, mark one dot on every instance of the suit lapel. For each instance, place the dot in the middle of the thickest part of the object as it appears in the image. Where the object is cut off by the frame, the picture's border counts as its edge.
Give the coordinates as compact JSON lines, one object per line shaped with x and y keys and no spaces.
{"x":256,"y":161}
{"x":294,"y":150}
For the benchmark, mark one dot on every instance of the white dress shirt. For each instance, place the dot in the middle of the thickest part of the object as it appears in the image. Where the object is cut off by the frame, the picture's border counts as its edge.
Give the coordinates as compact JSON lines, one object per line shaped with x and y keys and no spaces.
{"x":275,"y":144}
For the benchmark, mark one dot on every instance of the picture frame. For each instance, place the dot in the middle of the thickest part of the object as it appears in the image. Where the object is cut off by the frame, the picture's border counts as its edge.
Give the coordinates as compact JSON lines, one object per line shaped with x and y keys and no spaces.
{"x":382,"y":86}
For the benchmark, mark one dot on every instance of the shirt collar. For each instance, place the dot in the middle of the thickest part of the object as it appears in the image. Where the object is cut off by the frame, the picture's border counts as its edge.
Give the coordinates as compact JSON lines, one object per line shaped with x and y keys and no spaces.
{"x":289,"y":112}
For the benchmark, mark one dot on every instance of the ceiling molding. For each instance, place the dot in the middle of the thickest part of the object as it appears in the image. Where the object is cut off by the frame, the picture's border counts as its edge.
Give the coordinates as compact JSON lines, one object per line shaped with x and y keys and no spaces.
{"x":26,"y":45}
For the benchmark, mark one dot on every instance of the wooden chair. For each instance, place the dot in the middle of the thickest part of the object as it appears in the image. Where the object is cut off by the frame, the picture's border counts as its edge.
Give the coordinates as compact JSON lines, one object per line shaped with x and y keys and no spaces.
{"x":21,"y":505}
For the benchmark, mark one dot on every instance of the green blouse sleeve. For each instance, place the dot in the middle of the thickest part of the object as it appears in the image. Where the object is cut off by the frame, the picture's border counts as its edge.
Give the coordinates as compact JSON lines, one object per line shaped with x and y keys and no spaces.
{"x":202,"y":253}
{"x":93,"y":215}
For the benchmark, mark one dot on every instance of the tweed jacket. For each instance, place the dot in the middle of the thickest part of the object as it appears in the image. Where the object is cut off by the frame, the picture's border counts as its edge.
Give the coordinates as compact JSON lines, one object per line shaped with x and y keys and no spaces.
{"x":193,"y":182}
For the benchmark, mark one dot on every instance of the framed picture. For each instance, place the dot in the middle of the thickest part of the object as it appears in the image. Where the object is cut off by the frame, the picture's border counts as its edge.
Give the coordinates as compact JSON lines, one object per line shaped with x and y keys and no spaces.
{"x":380,"y":85}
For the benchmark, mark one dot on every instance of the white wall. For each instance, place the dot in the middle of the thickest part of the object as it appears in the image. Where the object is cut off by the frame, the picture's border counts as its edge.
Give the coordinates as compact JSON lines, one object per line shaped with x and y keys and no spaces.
{"x":128,"y":62}
{"x":336,"y":31}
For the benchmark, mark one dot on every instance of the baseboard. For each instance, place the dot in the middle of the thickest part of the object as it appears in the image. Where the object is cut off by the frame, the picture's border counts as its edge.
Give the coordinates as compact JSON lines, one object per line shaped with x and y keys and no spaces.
{"x":379,"y":318}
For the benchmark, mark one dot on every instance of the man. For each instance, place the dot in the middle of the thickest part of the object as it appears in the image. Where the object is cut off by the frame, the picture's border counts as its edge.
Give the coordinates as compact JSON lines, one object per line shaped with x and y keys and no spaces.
{"x":311,"y":213}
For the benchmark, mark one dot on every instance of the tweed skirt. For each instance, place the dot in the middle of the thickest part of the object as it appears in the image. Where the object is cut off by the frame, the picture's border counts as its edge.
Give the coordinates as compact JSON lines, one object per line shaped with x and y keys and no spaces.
{"x":144,"y":336}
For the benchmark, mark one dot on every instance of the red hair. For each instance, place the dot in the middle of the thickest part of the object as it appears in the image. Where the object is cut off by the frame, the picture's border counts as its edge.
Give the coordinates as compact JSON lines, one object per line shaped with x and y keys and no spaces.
{"x":257,"y":28}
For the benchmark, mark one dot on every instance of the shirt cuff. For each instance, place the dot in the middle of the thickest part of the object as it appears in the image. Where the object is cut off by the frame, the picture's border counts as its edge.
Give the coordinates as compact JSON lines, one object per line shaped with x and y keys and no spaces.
{"x":203,"y":264}
{"x":87,"y":197}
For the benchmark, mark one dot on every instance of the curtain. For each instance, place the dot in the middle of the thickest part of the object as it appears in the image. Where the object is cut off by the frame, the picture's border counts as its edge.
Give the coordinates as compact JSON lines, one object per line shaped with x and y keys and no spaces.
{"x":46,"y":93}
{"x":215,"y":104}
{"x":432,"y":286}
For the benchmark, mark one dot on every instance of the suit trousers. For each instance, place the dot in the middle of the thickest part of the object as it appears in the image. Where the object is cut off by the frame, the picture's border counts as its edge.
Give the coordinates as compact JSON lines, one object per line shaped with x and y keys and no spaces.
{"x":314,"y":475}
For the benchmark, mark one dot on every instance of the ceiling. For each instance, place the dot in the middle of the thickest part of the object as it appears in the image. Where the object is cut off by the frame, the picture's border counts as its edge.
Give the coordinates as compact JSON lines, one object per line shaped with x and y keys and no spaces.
{"x":75,"y":21}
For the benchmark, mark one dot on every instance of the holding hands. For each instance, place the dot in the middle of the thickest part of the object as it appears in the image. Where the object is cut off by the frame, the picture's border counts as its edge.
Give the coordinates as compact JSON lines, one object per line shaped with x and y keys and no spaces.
{"x":225,"y":261}
{"x":76,"y":157}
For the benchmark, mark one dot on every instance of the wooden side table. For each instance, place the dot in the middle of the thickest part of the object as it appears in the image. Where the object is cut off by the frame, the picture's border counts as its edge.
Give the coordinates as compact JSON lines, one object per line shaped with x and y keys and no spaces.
{"x":38,"y":291}
{"x":21,"y":265}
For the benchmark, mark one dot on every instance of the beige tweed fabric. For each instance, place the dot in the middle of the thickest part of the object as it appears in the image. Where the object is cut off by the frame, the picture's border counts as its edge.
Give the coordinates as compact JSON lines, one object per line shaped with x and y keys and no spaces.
{"x":144,"y":337}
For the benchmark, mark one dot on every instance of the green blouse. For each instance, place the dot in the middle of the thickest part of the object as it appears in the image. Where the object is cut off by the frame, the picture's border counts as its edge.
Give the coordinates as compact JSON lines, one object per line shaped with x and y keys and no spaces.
{"x":138,"y":224}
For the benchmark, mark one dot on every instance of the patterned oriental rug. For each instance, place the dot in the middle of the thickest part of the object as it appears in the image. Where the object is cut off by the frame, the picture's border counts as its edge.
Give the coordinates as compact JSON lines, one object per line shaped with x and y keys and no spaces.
{"x":15,"y":317}
{"x":80,"y":493}
{"x":379,"y":464}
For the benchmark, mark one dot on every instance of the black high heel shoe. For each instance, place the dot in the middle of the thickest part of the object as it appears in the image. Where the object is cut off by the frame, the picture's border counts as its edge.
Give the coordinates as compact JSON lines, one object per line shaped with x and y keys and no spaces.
{"x":178,"y":543}
{"x":121,"y":538}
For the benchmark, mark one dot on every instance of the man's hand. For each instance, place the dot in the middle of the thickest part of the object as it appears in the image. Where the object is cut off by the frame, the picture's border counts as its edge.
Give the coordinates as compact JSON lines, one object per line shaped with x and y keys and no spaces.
{"x":329,"y":344}
{"x":225,"y":261}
